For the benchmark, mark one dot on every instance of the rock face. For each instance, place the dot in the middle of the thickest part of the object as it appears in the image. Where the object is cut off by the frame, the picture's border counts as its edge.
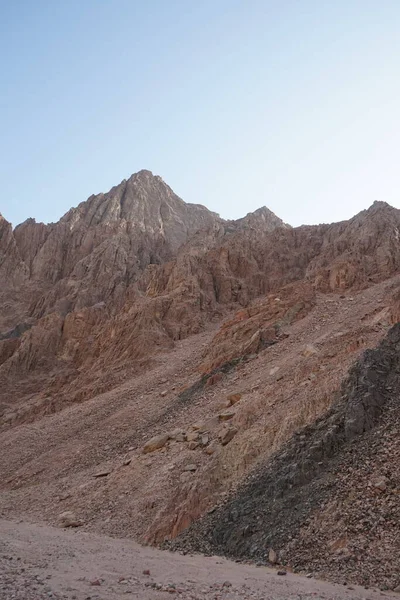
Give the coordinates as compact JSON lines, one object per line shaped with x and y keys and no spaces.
{"x":13,"y":276}
{"x":260,"y":325}
{"x":13,"y":271}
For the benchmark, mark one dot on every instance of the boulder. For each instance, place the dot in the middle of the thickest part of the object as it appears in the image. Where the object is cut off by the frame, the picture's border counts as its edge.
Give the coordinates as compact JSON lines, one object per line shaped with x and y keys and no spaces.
{"x":156,"y":443}
{"x":233,"y":399}
{"x":272,"y":557}
{"x":226,"y":415}
{"x":204,"y":439}
{"x":212,"y":447}
{"x":380,"y":483}
{"x":309,"y":350}
{"x":69,"y":519}
{"x":178,"y":435}
{"x":103,"y":473}
{"x":227,"y":435}
{"x":208,"y":425}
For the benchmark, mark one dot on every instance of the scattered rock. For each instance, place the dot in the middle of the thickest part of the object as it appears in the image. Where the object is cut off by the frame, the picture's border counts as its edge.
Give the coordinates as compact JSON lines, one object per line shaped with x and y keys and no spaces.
{"x":226,"y":416}
{"x":64,"y":497}
{"x":227,"y":435}
{"x":309,"y":350}
{"x":193,"y":445}
{"x":156,"y":443}
{"x":272,"y":557}
{"x":69,"y":519}
{"x":281,"y":572}
{"x":381,"y":483}
{"x":212,"y":447}
{"x":104,"y":473}
{"x":333,"y":486}
{"x":233,"y":399}
{"x":190,"y":468}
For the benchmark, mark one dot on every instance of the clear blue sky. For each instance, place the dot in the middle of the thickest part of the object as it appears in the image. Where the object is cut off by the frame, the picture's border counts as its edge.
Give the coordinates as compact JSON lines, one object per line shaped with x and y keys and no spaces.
{"x":294,"y":104}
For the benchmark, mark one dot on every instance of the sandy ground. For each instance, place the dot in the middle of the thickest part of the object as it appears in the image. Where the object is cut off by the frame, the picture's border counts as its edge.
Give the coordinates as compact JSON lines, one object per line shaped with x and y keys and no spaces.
{"x":38,"y":562}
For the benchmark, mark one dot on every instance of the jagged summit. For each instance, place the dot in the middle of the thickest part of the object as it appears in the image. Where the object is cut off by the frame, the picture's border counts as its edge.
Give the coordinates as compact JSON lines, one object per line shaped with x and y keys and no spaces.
{"x":148,"y":203}
{"x":380,"y":204}
{"x":146,"y":200}
{"x":262,"y":218}
{"x":102,"y":246}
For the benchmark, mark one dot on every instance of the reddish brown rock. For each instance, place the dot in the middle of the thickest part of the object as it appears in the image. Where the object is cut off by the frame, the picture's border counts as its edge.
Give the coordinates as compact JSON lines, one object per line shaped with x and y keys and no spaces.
{"x":155,"y":443}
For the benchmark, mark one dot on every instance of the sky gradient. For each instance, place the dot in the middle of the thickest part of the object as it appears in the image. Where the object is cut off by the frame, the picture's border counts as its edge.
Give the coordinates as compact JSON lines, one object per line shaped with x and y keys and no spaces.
{"x":236,"y":104}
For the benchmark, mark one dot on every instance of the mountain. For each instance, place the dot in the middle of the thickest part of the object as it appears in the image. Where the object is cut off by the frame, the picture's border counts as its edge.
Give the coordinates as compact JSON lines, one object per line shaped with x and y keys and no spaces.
{"x":97,"y":249}
{"x":87,"y":275}
{"x":166,"y":374}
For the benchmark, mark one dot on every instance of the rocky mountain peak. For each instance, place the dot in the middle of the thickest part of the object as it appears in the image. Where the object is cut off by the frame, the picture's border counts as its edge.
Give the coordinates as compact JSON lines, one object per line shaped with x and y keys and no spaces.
{"x":379,"y":204}
{"x":101,"y":247}
{"x":148,"y":204}
{"x":262,"y":219}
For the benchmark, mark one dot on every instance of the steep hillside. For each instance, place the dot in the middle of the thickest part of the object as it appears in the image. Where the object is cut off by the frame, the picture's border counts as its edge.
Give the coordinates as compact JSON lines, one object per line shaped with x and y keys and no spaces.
{"x":328,"y":502}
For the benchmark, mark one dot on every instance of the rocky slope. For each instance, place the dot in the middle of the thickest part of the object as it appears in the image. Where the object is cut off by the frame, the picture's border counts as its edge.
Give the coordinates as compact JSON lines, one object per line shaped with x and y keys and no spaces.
{"x":154,"y":356}
{"x":328,"y":502}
